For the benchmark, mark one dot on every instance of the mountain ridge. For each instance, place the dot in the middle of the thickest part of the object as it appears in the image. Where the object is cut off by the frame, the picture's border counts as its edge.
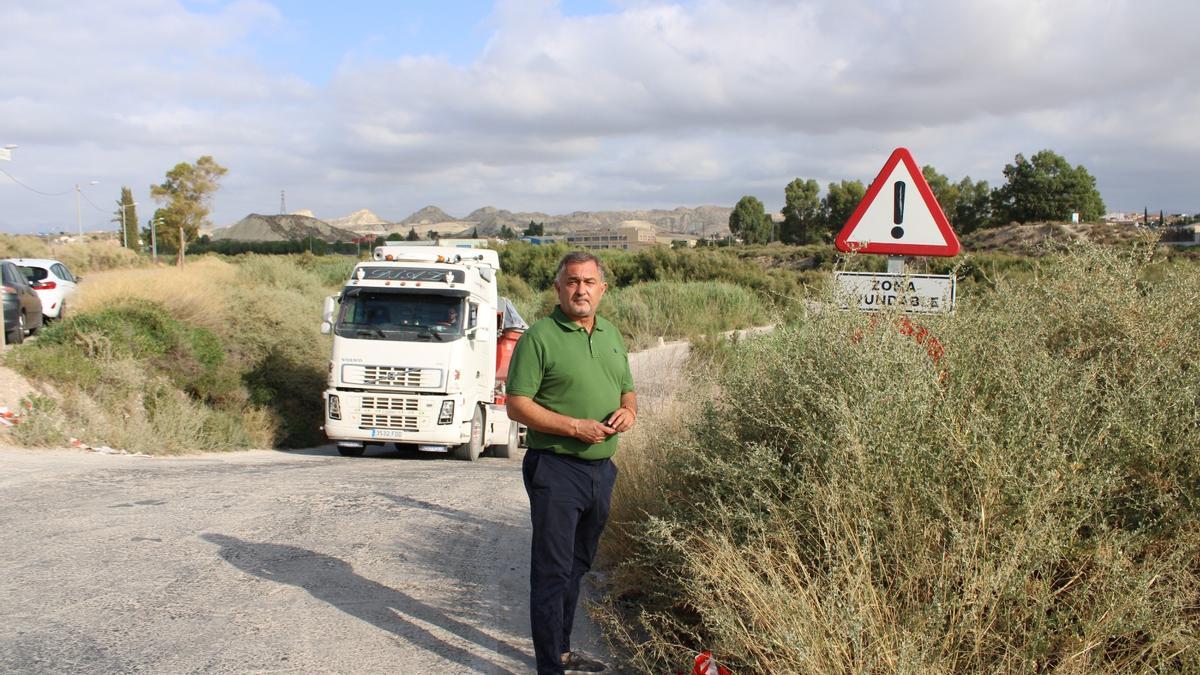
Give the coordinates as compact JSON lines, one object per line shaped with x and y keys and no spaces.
{"x":486,"y":221}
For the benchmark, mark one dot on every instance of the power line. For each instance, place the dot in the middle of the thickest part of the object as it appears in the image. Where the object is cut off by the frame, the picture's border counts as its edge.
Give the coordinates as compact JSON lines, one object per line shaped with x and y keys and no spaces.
{"x":46,"y":194}
{"x":88,"y":200}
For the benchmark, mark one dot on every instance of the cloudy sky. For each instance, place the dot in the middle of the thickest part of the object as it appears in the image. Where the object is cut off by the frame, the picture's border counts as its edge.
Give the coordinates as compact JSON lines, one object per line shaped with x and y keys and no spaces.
{"x":569,"y":105}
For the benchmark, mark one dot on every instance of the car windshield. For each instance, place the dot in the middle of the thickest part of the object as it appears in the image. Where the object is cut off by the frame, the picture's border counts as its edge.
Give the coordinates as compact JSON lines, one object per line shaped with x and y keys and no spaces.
{"x":370,"y":314}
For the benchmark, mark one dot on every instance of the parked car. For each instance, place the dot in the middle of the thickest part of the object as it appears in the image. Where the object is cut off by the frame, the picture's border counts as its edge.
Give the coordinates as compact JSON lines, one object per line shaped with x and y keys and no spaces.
{"x":22,"y":307}
{"x":52,"y":281}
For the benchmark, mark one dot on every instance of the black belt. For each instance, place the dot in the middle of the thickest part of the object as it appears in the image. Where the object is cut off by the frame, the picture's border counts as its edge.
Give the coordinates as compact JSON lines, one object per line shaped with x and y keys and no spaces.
{"x":573,"y":458}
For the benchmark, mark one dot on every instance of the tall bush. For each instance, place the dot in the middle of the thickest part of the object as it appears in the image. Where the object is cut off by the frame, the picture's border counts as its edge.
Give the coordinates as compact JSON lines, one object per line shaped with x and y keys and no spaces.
{"x":1021,"y":495}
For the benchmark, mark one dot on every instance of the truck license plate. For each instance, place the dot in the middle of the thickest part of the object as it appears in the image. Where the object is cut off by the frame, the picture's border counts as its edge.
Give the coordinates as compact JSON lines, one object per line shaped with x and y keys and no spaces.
{"x":386,"y":433}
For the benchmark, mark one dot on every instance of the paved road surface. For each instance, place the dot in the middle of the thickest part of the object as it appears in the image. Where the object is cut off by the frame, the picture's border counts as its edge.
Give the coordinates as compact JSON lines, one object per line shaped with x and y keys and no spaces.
{"x":264,"y":562}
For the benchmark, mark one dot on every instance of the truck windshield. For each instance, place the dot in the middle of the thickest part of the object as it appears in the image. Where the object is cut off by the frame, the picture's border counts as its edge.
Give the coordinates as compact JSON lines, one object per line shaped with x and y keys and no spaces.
{"x":369,"y":314}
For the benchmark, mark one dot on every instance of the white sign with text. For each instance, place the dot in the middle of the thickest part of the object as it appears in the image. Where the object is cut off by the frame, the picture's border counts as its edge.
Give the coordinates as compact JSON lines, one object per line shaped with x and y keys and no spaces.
{"x":873,"y":291}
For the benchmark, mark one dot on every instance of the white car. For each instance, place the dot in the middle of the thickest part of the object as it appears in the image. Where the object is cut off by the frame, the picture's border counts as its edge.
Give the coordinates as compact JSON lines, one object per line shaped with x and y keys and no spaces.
{"x":52,"y":281}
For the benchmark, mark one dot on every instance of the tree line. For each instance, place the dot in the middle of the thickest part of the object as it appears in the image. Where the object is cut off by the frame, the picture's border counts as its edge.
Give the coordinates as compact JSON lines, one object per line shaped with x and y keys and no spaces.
{"x":1042,"y":187}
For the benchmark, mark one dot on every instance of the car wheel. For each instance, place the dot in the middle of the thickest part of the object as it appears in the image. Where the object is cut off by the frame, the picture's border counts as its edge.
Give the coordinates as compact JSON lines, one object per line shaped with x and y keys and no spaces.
{"x":351,"y":450}
{"x":62,"y":312}
{"x":470,"y":451}
{"x":18,"y":336}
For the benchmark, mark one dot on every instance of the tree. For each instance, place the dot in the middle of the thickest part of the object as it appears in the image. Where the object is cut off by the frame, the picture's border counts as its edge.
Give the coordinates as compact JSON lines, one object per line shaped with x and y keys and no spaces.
{"x":801,"y":212}
{"x":412,"y":235}
{"x":839,"y":203}
{"x":750,"y":222}
{"x":126,"y":217}
{"x":431,"y":235}
{"x":187,"y":194}
{"x":1046,"y":187}
{"x":974,"y":208}
{"x":944,"y":191}
{"x":967,"y":203}
{"x":534,"y":229}
{"x":507,"y":233}
{"x":166,"y":232}
{"x":395,"y":236}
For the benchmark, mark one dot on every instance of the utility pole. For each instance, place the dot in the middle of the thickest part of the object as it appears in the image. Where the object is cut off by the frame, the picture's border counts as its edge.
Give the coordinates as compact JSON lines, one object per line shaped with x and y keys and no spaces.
{"x":124,"y":230}
{"x":282,"y":202}
{"x":78,"y":213}
{"x":154,"y":239}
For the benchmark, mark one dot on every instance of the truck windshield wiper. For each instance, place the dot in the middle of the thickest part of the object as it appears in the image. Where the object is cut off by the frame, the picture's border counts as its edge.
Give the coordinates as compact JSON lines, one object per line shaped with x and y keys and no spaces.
{"x":372,"y":332}
{"x":427,"y":331}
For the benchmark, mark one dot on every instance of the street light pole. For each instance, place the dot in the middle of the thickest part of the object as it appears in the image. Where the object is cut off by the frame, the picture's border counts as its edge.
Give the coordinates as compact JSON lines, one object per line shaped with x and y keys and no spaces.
{"x":78,"y":213}
{"x":154,"y":238}
{"x":124,"y":230}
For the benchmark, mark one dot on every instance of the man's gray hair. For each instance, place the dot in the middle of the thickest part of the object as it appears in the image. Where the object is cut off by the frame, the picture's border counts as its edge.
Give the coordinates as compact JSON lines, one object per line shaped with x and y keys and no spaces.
{"x":576,"y":257}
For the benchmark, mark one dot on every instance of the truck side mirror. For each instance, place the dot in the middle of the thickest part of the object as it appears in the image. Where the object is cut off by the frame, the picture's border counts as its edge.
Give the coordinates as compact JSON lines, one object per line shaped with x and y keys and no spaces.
{"x":326,"y":328}
{"x":328,"y":310}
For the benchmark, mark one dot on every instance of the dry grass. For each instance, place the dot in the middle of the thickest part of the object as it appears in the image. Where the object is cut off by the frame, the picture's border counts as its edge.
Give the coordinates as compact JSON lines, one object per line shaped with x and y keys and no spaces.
{"x":79,"y":257}
{"x":213,"y":356}
{"x":1025,"y":503}
{"x":197,"y":293}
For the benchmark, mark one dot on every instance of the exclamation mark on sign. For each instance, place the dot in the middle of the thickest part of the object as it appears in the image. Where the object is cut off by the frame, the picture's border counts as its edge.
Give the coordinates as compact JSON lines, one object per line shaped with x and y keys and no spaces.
{"x":898,"y":209}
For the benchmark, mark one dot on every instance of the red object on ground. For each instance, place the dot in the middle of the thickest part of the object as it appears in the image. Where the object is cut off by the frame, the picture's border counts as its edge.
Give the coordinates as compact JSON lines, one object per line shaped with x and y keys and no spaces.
{"x":705,"y":665}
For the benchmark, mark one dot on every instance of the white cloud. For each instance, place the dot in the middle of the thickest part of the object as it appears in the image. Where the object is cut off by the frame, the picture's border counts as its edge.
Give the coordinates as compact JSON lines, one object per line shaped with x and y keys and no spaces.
{"x":655,"y":104}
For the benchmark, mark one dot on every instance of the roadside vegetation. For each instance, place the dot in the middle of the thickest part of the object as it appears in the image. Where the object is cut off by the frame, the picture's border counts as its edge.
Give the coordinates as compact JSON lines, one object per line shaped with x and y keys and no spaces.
{"x":216,"y":355}
{"x":846,"y":495}
{"x":79,"y":258}
{"x":225,"y":353}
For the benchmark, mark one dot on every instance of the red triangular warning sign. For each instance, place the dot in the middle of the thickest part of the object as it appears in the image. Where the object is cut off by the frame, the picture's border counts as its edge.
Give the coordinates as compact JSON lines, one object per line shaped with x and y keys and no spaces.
{"x":899,"y":215}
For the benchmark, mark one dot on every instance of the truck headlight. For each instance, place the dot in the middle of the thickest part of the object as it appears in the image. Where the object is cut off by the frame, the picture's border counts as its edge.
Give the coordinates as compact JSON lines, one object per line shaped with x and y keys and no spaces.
{"x":335,"y":407}
{"x":446,"y":415}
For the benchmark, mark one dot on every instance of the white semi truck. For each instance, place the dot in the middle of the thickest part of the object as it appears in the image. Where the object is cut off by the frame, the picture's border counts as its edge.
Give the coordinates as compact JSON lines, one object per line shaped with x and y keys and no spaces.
{"x":421,"y":342}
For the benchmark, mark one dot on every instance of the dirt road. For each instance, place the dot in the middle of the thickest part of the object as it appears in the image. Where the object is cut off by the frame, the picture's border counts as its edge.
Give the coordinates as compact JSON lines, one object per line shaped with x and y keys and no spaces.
{"x":268,"y":561}
{"x":264,"y":562}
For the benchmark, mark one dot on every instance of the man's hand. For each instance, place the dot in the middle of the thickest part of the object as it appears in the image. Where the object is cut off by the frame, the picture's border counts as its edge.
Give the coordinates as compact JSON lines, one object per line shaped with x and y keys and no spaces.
{"x":621,"y":420}
{"x":591,"y":431}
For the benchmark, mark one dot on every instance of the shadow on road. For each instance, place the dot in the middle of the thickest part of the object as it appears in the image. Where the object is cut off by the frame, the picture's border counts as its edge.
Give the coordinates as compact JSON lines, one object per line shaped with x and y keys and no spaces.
{"x":333,"y":581}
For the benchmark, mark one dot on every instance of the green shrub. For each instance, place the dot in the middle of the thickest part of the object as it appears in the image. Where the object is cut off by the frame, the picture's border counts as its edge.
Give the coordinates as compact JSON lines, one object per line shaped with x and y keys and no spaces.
{"x":1021,"y":495}
{"x":672,"y":310}
{"x":131,"y":374}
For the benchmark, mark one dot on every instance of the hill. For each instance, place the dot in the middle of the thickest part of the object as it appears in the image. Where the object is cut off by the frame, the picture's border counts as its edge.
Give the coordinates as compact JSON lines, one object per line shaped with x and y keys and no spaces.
{"x":363,"y":221}
{"x":1036,"y":239}
{"x":489,"y":220}
{"x":698,"y":220}
{"x":428,"y":216}
{"x":291,"y":227}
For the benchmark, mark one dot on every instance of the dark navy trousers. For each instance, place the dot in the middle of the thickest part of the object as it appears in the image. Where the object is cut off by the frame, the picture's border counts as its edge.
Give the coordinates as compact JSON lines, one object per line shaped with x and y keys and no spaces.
{"x":569,"y":500}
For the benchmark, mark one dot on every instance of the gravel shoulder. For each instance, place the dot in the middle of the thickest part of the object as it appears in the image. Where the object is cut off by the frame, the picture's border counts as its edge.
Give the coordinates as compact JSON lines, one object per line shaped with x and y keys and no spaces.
{"x":265,"y":561}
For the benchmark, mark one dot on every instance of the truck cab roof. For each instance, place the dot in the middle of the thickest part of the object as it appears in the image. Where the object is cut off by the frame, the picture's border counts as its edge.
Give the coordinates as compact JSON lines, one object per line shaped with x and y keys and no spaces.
{"x":438,"y":254}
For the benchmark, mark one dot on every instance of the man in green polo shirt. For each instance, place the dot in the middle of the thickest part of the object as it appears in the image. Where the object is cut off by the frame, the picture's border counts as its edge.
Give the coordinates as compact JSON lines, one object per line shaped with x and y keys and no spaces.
{"x":569,"y":382}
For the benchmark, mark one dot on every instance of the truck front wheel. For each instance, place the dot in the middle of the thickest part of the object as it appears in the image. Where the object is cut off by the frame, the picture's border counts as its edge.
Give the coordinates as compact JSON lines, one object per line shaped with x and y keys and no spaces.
{"x":471,"y":450}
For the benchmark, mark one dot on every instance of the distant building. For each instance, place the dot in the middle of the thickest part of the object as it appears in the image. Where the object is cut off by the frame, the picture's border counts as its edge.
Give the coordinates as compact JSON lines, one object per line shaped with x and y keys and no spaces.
{"x":631,"y":235}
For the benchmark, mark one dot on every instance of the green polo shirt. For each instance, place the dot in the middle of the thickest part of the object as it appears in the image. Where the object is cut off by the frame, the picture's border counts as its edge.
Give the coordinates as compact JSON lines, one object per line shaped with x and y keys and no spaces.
{"x":566,"y":370}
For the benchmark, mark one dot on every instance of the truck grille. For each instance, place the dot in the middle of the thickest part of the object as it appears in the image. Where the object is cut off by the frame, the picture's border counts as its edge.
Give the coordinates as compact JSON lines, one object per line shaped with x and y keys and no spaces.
{"x":389,"y":412}
{"x":417,"y":378}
